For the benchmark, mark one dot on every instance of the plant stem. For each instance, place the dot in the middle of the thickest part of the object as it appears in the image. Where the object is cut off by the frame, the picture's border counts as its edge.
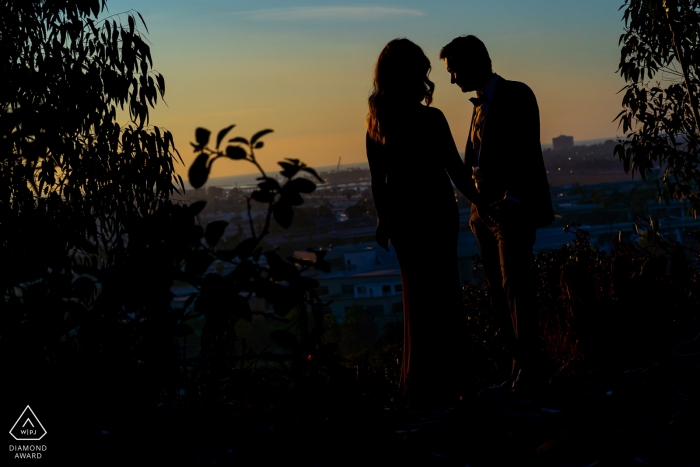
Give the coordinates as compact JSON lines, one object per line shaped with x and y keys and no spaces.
{"x":254,"y":161}
{"x":250,"y":218}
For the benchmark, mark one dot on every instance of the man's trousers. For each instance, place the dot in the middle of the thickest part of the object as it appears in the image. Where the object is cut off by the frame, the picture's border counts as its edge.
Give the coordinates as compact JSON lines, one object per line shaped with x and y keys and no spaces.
{"x":506,"y":253}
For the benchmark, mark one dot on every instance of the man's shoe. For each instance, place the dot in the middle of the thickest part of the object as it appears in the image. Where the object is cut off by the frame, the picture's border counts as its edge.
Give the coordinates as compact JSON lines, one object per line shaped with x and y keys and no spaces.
{"x":505,"y":386}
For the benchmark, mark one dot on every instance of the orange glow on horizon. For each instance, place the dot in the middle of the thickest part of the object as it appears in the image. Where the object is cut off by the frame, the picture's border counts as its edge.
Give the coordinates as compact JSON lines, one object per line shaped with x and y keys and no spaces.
{"x":308,"y":76}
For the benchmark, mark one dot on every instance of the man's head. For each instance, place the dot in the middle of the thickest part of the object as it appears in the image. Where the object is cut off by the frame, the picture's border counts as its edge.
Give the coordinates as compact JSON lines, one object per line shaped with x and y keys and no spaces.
{"x":468,"y":63}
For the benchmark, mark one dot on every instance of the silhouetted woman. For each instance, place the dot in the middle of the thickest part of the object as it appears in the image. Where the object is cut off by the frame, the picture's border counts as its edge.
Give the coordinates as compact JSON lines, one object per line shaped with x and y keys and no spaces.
{"x":411,"y":151}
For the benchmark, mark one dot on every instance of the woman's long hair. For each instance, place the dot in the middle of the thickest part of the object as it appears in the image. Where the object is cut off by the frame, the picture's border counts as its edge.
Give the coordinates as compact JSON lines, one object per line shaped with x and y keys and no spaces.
{"x":400,"y":79}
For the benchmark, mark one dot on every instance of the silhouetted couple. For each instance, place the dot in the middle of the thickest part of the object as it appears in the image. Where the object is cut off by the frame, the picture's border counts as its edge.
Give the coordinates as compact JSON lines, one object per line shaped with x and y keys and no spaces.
{"x":412,"y":158}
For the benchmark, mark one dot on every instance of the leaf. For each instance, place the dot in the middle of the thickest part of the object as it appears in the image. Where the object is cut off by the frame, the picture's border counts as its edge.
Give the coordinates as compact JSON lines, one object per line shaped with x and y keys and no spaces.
{"x":259,"y":135}
{"x":161,"y":83}
{"x":238,"y":139}
{"x":269,"y":184}
{"x":323,"y":266}
{"x":91,"y":23}
{"x":301,"y":185}
{"x":183,"y":330}
{"x":142,"y":21}
{"x":292,"y":198}
{"x":201,"y":135}
{"x":196,"y":207}
{"x":289,"y":170}
{"x":198,"y":262}
{"x":222,"y":134}
{"x":95,"y":8}
{"x":152,"y":91}
{"x":225,"y":255}
{"x":199,"y":172}
{"x":284,"y":300}
{"x":284,"y":339}
{"x":213,"y":300}
{"x":263,"y":196}
{"x":214,"y":231}
{"x":131,"y":24}
{"x":281,"y":270}
{"x":283,"y":214}
{"x":189,"y":301}
{"x":196,"y":234}
{"x":236,"y":153}
{"x":245,"y":248}
{"x":259,"y":144}
{"x":313,"y":172}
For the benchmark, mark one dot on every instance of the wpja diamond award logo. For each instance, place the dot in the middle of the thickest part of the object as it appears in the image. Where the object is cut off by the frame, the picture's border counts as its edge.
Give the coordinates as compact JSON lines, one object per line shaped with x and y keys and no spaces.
{"x":28,"y":428}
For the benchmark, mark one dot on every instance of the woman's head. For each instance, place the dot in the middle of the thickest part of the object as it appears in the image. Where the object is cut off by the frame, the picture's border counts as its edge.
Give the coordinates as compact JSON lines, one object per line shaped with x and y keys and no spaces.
{"x":400,"y":77}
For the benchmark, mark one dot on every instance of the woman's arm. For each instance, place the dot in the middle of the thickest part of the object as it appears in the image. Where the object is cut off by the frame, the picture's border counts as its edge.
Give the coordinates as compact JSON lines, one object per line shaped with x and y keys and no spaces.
{"x":378,"y":170}
{"x":459,"y":173}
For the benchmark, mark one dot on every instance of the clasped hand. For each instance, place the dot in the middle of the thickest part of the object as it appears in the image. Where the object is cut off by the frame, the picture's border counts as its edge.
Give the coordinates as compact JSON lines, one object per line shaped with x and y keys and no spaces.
{"x":499,"y":211}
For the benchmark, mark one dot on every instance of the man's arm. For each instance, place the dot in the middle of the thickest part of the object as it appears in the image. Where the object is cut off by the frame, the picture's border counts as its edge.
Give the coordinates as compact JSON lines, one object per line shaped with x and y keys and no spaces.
{"x":527,"y":157}
{"x":525,"y":152}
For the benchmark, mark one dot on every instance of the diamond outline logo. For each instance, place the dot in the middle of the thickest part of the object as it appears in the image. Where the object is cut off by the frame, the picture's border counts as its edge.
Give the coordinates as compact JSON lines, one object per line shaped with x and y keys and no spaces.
{"x":21,"y":417}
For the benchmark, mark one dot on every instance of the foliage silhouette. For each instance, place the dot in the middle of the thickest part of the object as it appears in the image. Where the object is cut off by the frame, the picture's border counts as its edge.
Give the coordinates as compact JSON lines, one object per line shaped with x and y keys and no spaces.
{"x":263,"y":274}
{"x":598,"y":310}
{"x":92,"y":245}
{"x":66,"y":159}
{"x":660,"y":118}
{"x":112,"y":327}
{"x":79,"y":307}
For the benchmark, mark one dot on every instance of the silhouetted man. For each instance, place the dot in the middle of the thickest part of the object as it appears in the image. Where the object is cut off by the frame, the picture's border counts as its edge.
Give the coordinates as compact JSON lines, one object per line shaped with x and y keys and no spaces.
{"x":504,"y":152}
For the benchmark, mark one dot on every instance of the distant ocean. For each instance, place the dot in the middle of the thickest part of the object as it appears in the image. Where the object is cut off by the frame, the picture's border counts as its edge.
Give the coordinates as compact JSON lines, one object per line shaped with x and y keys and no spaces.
{"x":247,"y":180}
{"x":250,"y":179}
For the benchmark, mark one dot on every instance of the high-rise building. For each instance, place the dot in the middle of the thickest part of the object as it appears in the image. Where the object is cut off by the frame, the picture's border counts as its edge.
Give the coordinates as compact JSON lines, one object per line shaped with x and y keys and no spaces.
{"x":562,"y":142}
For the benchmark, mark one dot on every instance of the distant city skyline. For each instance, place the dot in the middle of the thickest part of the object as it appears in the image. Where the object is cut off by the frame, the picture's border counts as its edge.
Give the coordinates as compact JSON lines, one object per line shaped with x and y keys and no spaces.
{"x":305,"y":69}
{"x":249,"y":178}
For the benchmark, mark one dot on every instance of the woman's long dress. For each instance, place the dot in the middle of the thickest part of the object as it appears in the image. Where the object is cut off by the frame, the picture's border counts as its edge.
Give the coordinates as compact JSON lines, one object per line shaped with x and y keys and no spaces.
{"x":412,"y":190}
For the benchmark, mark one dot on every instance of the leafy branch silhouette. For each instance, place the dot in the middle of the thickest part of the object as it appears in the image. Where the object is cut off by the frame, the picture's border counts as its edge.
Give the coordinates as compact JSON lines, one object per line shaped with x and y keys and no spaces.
{"x":263,"y":274}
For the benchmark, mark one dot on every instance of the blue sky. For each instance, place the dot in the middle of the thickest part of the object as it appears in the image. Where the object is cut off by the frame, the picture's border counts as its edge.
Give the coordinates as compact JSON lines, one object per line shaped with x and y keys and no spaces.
{"x":305,"y":68}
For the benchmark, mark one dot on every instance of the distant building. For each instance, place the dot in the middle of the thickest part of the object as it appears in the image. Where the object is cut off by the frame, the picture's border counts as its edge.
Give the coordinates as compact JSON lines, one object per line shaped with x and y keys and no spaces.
{"x":366,"y":277}
{"x":562,"y":142}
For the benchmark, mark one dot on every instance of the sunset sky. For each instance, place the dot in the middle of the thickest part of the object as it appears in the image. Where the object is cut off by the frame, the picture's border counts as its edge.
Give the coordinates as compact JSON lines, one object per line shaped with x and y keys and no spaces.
{"x":305,"y":69}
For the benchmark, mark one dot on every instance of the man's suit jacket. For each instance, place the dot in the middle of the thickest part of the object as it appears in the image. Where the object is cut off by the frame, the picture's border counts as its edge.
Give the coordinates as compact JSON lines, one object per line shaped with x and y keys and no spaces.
{"x":510,"y":158}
